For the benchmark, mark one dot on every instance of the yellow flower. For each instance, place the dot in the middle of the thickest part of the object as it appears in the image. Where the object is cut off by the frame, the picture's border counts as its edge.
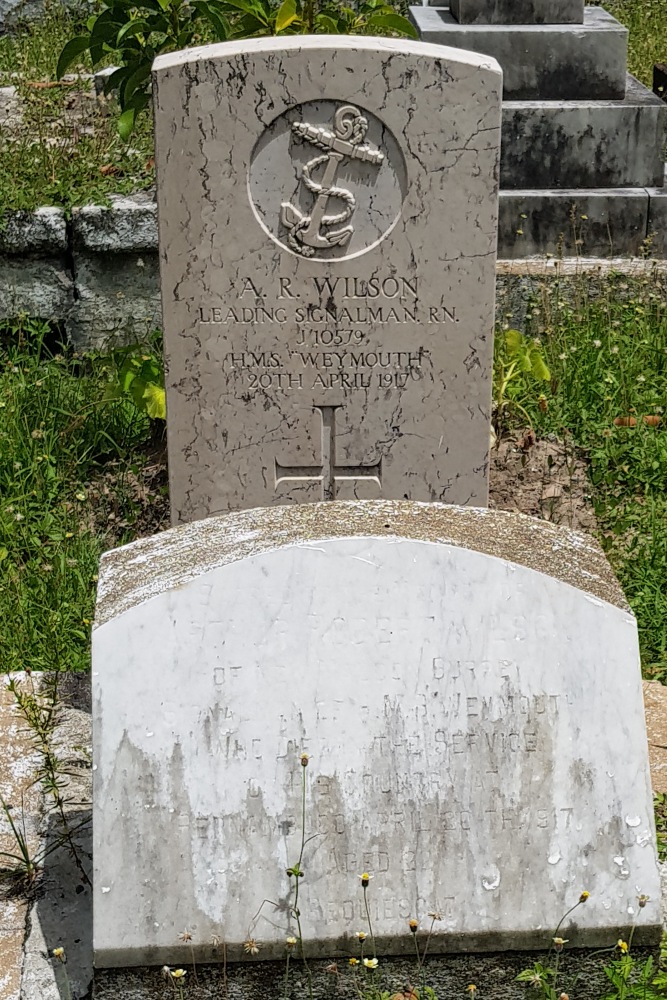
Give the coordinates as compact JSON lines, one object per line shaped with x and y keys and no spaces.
{"x":365,"y":879}
{"x":472,"y":989}
{"x":643,"y":900}
{"x":178,"y":973}
{"x":290,"y":942}
{"x":413,"y":925}
{"x":371,"y":963}
{"x":361,"y":935}
{"x":304,"y":759}
{"x":584,"y":896}
{"x":59,"y":953}
{"x":353,"y":961}
{"x":622,"y":946}
{"x":559,"y":943}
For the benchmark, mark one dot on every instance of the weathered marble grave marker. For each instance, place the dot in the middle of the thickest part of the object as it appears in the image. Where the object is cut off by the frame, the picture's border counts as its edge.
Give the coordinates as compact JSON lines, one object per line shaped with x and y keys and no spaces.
{"x":467,"y":684}
{"x":328,"y":211}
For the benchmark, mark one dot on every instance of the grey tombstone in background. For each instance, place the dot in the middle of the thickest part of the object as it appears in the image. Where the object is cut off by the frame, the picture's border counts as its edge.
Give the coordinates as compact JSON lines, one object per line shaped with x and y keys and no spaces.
{"x":517,"y":11}
{"x":467,"y":685}
{"x":328,"y":214}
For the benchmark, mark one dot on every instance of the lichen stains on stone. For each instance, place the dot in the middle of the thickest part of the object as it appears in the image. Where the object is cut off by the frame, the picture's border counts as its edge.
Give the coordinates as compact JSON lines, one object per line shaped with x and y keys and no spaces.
{"x":140,"y":571}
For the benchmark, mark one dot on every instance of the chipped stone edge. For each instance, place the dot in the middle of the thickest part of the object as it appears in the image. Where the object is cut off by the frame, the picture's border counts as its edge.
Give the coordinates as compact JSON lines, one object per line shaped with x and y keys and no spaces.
{"x":151,"y":566}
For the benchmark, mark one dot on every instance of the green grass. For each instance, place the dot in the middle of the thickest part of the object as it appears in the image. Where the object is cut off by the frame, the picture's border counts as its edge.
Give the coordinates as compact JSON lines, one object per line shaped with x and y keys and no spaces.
{"x":65,"y":496}
{"x":66,"y":149}
{"x":606,"y":348}
{"x":647,"y":21}
{"x":34,"y":48}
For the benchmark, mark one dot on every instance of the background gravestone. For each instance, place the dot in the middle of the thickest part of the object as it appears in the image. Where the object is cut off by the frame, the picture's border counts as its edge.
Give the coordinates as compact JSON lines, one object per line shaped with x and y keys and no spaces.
{"x":327,"y":212}
{"x":467,"y":684}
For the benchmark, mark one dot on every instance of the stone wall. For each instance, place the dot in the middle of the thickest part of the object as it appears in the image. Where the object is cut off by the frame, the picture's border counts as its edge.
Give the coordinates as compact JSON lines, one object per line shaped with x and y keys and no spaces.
{"x":97,"y":274}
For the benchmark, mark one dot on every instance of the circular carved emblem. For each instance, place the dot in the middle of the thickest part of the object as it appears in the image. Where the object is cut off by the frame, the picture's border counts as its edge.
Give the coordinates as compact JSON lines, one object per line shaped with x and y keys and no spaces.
{"x":327,"y":180}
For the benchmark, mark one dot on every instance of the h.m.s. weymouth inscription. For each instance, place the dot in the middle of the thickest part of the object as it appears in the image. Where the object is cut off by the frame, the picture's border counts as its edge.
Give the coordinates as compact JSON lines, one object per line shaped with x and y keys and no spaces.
{"x":328,"y":342}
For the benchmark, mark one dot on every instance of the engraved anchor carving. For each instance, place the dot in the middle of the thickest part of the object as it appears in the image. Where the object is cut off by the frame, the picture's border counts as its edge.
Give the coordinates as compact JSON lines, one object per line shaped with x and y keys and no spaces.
{"x":306,"y":233}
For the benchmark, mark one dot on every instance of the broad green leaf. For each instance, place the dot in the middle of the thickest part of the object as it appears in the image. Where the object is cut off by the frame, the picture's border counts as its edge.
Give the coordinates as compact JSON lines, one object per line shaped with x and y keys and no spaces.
{"x":133,"y":82}
{"x":513,"y":341}
{"x":69,"y":53}
{"x":218,"y":21}
{"x":128,"y":372}
{"x":326,"y":25}
{"x":125,"y":123}
{"x":249,"y":7}
{"x":539,"y":367}
{"x":116,"y":79}
{"x":394,"y":22}
{"x":137,"y":27}
{"x":112,"y":393}
{"x":150,"y":370}
{"x":3,"y":553}
{"x":155,"y":402}
{"x":137,"y":389}
{"x":286,"y":15}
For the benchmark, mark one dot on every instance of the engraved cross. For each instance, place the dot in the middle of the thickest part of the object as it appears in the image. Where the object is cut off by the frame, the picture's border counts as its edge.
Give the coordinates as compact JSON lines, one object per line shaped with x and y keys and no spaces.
{"x":328,"y":473}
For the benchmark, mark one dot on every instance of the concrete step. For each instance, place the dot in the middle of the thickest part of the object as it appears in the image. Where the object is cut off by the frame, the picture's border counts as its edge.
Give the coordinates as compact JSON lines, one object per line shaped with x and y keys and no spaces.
{"x":518,"y":11}
{"x":657,"y":219}
{"x":584,"y":144}
{"x":612,"y":222}
{"x":554,"y":62}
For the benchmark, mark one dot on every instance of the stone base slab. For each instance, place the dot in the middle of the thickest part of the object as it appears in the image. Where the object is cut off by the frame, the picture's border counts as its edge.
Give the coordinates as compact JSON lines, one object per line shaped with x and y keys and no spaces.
{"x":556,"y":62}
{"x":518,"y":11}
{"x":657,"y":221}
{"x":584,"y":144}
{"x":571,"y":223}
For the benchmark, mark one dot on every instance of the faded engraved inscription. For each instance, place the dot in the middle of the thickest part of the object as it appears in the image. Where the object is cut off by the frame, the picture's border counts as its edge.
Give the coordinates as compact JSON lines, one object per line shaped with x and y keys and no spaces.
{"x":308,"y":233}
{"x":323,"y":333}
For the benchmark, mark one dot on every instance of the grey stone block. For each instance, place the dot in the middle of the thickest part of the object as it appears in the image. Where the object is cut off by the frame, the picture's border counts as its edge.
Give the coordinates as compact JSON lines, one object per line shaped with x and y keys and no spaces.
{"x":128,"y":225}
{"x":584,"y":144}
{"x":586,"y":223}
{"x":116,"y":272}
{"x":39,"y":232}
{"x":117,"y":299}
{"x":35,"y":277}
{"x":518,"y":11}
{"x":657,"y":221}
{"x":566,"y":62}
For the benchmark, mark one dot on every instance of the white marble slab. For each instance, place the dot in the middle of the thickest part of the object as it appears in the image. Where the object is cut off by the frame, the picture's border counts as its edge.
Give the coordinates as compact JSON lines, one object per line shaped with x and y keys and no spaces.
{"x":475,"y":731}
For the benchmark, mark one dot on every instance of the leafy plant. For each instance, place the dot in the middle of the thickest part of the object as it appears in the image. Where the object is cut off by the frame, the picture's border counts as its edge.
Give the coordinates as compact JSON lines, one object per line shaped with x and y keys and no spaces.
{"x":632,"y":980}
{"x":518,"y":362}
{"x":132,"y":34}
{"x":140,"y":379}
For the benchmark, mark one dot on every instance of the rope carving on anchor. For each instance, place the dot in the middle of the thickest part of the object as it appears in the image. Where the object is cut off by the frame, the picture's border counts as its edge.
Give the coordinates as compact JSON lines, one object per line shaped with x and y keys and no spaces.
{"x":349,"y":126}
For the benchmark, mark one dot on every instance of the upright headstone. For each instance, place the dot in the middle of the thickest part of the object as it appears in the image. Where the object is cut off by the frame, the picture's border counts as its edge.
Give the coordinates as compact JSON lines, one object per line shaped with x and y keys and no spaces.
{"x":466,"y":684}
{"x":328,"y":214}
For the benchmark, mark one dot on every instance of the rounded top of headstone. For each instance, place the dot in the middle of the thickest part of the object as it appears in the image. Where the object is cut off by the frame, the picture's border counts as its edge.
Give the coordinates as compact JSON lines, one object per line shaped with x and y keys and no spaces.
{"x":143,"y":569}
{"x":313,"y":43}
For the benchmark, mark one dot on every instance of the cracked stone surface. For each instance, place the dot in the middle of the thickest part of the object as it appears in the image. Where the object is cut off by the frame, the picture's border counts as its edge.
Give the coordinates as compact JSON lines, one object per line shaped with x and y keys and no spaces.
{"x":327,"y":223}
